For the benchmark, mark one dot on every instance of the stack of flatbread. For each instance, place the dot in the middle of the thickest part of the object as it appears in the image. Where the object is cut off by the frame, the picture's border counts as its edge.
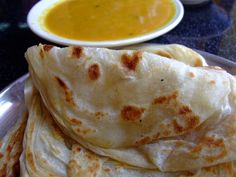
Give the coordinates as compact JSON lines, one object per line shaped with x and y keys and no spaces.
{"x":150,"y":111}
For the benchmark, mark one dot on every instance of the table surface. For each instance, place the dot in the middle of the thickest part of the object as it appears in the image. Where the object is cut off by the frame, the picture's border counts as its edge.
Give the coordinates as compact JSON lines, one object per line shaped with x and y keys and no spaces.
{"x":210,"y":27}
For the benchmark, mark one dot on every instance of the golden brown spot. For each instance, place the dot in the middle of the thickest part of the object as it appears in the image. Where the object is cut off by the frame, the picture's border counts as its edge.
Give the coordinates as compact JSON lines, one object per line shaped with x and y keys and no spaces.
{"x":212,"y":82}
{"x":41,"y":53}
{"x":1,"y":155}
{"x":188,"y":173}
{"x":47,"y":48}
{"x":215,"y":169}
{"x":191,"y":75}
{"x":166,"y":133}
{"x":131,"y":113}
{"x":178,"y":128}
{"x":30,"y":159}
{"x":9,"y":148}
{"x":211,"y":170}
{"x":164,"y":54}
{"x":211,"y":143}
{"x":164,"y":126}
{"x":89,"y":156}
{"x":31,"y":128}
{"x":160,"y":100}
{"x":184,"y":110}
{"x":156,"y":136}
{"x":108,"y":170}
{"x":191,"y":122}
{"x":75,"y":121}
{"x":143,"y":141}
{"x":221,"y":155}
{"x":78,"y":149}
{"x":185,"y":120}
{"x":94,"y":72}
{"x":57,"y":132}
{"x":67,"y":92}
{"x":52,"y":175}
{"x":98,"y":114}
{"x":179,"y":144}
{"x":77,"y":52}
{"x":118,"y":168}
{"x":61,"y":83}
{"x":85,"y":131}
{"x":131,"y":62}
{"x":165,"y":99}
{"x":72,"y":165}
{"x":228,"y":167}
{"x":198,"y":62}
{"x":197,"y":149}
{"x":17,"y":154}
{"x":94,"y":164}
{"x":75,"y":169}
{"x":16,"y":169}
{"x":94,"y":168}
{"x":3,"y":171}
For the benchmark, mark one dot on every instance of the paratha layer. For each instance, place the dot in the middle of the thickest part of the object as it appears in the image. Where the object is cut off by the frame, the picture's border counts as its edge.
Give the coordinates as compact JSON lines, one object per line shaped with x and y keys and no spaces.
{"x":11,"y":148}
{"x":48,"y":152}
{"x":45,"y":152}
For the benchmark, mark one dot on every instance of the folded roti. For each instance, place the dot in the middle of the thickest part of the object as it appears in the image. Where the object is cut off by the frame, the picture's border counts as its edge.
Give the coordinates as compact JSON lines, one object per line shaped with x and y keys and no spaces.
{"x":48,"y":152}
{"x":123,"y":99}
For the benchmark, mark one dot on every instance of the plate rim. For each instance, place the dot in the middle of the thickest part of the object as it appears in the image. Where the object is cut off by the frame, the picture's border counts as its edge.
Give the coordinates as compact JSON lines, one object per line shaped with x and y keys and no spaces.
{"x":13,"y":83}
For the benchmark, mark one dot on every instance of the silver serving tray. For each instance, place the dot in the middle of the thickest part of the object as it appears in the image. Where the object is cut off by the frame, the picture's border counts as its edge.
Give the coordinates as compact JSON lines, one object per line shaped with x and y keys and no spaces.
{"x":12,"y":105}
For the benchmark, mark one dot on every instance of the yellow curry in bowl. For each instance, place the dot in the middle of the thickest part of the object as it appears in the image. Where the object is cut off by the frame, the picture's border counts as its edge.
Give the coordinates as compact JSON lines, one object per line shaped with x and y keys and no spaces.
{"x":106,"y":20}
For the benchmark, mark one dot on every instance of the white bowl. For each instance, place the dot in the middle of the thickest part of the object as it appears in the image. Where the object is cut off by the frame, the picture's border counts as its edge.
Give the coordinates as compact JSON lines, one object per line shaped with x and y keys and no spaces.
{"x":38,"y":9}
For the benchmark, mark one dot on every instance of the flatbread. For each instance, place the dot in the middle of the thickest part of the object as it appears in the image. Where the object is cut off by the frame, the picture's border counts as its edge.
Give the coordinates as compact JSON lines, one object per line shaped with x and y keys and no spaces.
{"x":122,"y":99}
{"x":11,"y":148}
{"x":48,"y":152}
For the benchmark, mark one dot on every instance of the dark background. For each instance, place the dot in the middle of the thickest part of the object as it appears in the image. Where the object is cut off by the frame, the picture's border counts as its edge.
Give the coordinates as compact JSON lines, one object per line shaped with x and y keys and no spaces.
{"x":210,"y":27}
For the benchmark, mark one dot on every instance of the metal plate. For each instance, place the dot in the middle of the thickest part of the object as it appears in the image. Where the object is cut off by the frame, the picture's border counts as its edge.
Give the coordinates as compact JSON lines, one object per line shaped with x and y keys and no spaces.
{"x":12,"y":97}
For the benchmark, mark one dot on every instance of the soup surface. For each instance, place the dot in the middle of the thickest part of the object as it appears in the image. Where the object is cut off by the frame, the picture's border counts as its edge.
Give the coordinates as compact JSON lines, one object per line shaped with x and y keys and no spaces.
{"x":105,"y":20}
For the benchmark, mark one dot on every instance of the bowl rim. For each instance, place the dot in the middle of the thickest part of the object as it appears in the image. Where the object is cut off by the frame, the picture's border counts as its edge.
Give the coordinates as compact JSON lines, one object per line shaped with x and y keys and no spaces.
{"x":36,"y":12}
